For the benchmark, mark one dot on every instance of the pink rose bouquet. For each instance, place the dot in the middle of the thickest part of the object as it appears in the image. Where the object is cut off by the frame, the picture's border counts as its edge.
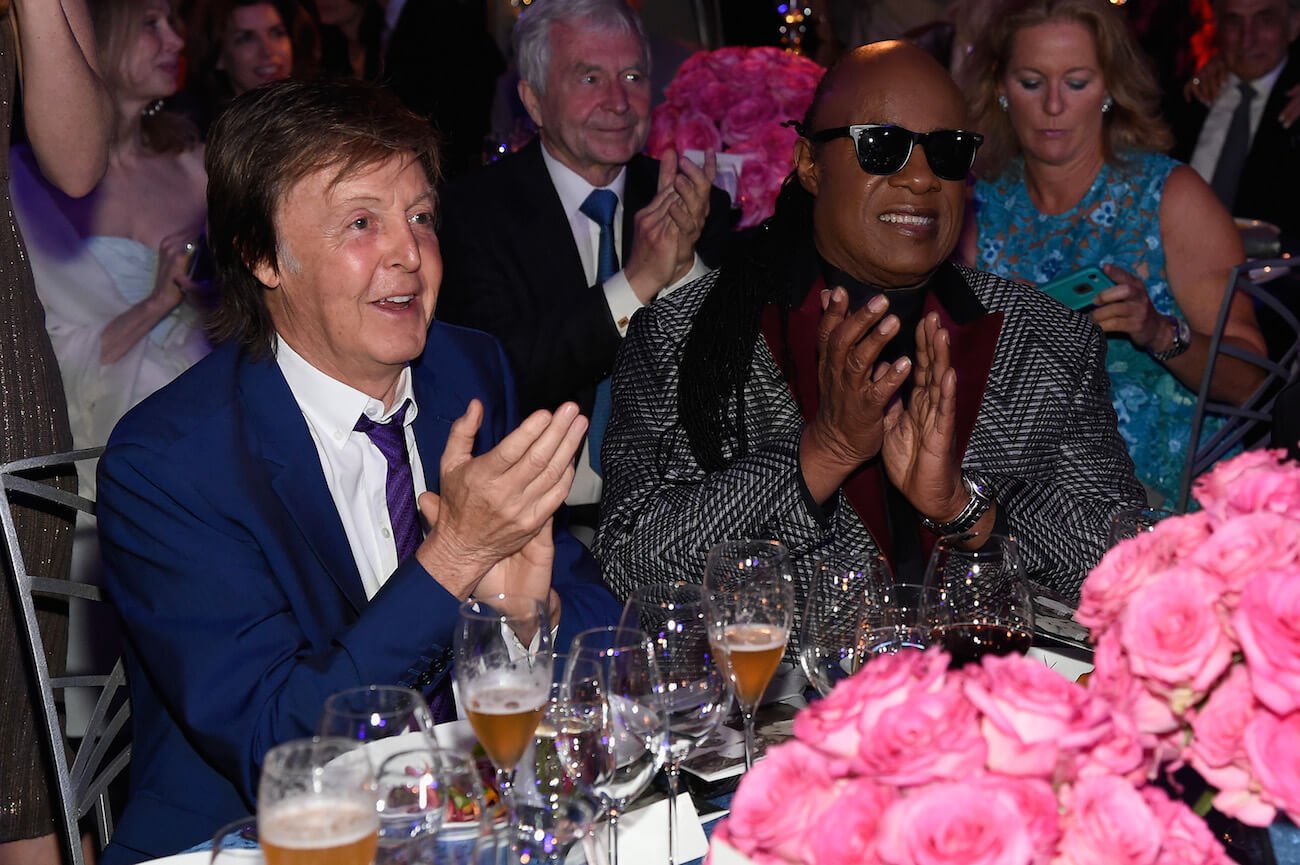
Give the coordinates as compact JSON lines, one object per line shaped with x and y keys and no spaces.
{"x":734,"y":100}
{"x":1197,"y":629}
{"x":1003,"y":763}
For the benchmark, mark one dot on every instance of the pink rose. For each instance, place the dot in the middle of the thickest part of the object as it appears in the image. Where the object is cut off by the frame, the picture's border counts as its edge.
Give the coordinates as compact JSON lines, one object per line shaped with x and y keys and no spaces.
{"x":695,"y":131}
{"x":1032,"y":714}
{"x":1106,"y":822}
{"x":766,"y":818}
{"x":1173,"y":632}
{"x":683,"y":92}
{"x":1267,"y":622}
{"x":1273,"y":744}
{"x":747,"y":118}
{"x":1113,"y":681}
{"x":1242,"y":546}
{"x":848,"y":831}
{"x":1035,"y":802}
{"x":1131,"y":563}
{"x":954,"y":823}
{"x":1119,"y":751}
{"x":1218,"y":749}
{"x":721,"y":60}
{"x":760,"y":184}
{"x":933,"y":736}
{"x":1253,"y":481}
{"x":1187,"y":840}
{"x":835,"y":724}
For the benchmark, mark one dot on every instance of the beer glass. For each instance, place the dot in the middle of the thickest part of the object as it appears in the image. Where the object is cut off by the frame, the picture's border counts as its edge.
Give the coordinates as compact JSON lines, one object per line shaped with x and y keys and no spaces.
{"x":503,"y":669}
{"x":316,"y":804}
{"x":749,"y":598}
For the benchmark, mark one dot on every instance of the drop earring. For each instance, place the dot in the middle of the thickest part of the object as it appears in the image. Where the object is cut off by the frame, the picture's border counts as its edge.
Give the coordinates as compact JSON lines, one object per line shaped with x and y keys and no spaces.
{"x":1002,"y":102}
{"x":1106,"y":104}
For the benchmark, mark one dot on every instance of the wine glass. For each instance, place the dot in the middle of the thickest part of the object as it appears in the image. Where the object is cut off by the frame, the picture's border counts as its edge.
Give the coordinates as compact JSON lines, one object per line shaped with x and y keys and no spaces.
{"x":979,"y":601}
{"x":844,"y":593}
{"x":899,"y":620}
{"x":1131,"y":522}
{"x":619,"y":663}
{"x":316,"y":801}
{"x":503,"y":670}
{"x":375,"y":712}
{"x":467,"y":832}
{"x":553,"y":807}
{"x":749,"y":598}
{"x":411,"y":800}
{"x":695,"y":691}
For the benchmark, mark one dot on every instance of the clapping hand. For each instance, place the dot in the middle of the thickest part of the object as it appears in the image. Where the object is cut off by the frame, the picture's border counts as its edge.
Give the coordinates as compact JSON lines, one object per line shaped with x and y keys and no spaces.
{"x":667,"y":229}
{"x":493,"y":507}
{"x":919,"y":450}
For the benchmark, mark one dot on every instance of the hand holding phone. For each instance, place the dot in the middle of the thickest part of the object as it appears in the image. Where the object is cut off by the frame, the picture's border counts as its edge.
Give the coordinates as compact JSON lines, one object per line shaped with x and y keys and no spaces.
{"x":1077,"y":290}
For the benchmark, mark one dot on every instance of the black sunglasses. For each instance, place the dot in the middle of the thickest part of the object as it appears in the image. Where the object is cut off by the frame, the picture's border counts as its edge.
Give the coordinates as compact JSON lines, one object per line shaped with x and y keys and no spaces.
{"x":884,"y":149}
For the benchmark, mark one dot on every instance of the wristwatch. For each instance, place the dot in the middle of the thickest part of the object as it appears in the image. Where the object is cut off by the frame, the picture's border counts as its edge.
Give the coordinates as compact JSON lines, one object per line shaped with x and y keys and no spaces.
{"x":980,"y":502}
{"x":1182,"y":339}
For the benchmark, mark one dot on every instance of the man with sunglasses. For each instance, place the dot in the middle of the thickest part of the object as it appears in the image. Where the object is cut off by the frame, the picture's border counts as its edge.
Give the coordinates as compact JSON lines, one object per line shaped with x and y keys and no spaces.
{"x":839,"y":386}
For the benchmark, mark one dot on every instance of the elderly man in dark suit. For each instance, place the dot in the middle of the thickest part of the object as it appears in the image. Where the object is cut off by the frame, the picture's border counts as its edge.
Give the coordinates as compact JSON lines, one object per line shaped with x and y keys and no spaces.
{"x":258,"y":515}
{"x":554,"y":248}
{"x":838,"y":386}
{"x":1238,"y":143}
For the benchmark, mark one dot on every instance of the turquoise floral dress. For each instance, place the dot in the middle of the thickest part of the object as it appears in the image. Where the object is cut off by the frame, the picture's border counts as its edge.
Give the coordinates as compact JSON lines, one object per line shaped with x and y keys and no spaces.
{"x":1116,"y":222}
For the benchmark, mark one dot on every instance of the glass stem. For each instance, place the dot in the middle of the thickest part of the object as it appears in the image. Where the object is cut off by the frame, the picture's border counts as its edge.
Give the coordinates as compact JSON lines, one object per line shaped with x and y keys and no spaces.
{"x":749,"y":740}
{"x":613,"y":834}
{"x":673,"y":771}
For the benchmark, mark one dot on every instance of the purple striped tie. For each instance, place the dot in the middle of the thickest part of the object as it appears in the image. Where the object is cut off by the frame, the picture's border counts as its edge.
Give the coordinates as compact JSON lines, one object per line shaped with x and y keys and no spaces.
{"x":390,"y":438}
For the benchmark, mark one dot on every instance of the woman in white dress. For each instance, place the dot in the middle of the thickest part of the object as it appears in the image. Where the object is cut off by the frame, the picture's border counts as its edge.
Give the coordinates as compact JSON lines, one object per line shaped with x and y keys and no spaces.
{"x":111,"y":268}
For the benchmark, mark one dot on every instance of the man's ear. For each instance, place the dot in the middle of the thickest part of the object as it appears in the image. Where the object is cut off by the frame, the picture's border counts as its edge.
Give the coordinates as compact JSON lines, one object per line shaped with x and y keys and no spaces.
{"x":532,"y":103}
{"x":267,"y":274}
{"x":805,"y":166}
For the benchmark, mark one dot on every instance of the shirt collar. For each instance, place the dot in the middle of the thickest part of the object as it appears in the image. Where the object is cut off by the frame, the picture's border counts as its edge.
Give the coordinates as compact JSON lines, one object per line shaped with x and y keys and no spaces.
{"x":572,"y":188}
{"x":333,"y":407}
{"x":1263,"y":85}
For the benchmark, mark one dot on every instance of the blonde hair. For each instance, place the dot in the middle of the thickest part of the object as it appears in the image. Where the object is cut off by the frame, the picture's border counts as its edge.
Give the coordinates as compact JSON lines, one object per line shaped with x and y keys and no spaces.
{"x":117,"y":23}
{"x":1133,"y":122}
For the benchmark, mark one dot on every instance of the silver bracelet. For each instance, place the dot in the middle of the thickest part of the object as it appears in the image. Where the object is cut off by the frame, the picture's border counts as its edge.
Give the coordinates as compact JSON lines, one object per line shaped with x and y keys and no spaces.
{"x":980,"y":502}
{"x":1182,"y":339}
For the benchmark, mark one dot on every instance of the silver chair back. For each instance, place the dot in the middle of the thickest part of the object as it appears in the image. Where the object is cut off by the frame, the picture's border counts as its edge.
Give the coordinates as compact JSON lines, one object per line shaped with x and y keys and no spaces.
{"x":84,"y":773}
{"x":1247,"y":424}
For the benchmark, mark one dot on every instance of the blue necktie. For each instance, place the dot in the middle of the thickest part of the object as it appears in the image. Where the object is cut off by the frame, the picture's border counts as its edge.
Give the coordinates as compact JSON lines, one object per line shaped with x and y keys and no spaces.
{"x":599,"y":208}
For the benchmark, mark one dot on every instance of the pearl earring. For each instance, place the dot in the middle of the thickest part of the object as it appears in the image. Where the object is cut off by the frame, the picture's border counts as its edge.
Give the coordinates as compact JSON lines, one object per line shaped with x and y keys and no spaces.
{"x":1106,"y":104}
{"x":1002,"y":102}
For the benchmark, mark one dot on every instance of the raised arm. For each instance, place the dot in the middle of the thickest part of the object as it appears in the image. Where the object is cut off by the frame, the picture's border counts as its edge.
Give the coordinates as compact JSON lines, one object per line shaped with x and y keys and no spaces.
{"x":65,"y":105}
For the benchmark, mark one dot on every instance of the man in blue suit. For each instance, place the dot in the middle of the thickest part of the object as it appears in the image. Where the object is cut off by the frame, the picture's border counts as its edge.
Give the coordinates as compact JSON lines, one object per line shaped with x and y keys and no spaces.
{"x":258,"y":515}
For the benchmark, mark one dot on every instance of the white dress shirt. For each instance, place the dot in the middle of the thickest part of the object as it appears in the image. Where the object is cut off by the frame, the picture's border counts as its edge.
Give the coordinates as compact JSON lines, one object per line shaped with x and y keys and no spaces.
{"x":622,"y":300}
{"x":1215,"y":129}
{"x":355,"y":470}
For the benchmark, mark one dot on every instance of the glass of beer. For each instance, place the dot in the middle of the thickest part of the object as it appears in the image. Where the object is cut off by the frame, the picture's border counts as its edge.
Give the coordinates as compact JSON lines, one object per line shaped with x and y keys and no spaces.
{"x":316,"y":804}
{"x":503,"y":670}
{"x":749,"y":599}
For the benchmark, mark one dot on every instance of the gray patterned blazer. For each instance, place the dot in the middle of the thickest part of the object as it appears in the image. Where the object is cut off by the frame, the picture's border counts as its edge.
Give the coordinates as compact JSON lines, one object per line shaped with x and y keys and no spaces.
{"x":1044,"y":442}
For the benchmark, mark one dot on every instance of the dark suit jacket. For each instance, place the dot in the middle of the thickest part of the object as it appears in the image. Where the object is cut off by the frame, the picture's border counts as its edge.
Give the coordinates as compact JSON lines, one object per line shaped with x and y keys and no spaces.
{"x":239,"y":595}
{"x":1270,"y":181}
{"x":511,"y":268}
{"x":1044,"y":442}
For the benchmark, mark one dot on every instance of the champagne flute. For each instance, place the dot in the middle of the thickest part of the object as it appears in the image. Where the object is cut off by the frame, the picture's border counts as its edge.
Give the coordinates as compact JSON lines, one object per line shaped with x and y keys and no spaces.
{"x":375,"y":712}
{"x":1131,"y":522}
{"x":503,"y":670}
{"x":978,"y":601}
{"x":619,"y":663}
{"x":694,"y":690}
{"x":316,"y":804}
{"x":749,"y":598}
{"x":845,"y":590}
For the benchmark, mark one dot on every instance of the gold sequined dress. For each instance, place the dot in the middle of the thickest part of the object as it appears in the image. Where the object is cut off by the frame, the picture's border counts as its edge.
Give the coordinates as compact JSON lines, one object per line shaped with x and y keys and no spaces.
{"x":33,"y":420}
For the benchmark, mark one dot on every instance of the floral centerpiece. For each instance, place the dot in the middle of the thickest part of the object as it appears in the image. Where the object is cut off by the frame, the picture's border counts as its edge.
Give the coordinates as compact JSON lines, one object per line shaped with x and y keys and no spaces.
{"x":1003,"y":763}
{"x":1197,"y":629}
{"x":734,"y":101}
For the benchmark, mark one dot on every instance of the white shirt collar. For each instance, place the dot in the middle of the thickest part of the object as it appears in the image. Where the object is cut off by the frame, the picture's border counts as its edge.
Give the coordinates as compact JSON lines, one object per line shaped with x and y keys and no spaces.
{"x":1263,"y":85}
{"x":333,"y":407}
{"x":572,"y":188}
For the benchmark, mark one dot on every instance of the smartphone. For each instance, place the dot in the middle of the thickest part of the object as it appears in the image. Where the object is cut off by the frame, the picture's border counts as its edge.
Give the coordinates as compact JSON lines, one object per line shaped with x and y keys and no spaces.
{"x":1076,"y":290}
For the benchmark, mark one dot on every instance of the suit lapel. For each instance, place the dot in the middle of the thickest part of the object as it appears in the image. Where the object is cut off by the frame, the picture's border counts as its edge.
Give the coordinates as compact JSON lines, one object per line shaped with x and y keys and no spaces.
{"x":973,"y":341}
{"x":542,"y":227}
{"x":279,"y":434}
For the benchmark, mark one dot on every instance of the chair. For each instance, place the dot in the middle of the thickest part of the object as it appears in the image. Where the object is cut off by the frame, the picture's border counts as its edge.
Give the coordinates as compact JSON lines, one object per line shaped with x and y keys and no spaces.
{"x":1247,"y":424}
{"x":101,"y":754}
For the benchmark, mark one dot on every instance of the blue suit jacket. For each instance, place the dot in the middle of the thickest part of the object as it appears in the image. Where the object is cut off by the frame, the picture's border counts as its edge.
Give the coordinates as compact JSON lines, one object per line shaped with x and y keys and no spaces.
{"x":239,"y":596}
